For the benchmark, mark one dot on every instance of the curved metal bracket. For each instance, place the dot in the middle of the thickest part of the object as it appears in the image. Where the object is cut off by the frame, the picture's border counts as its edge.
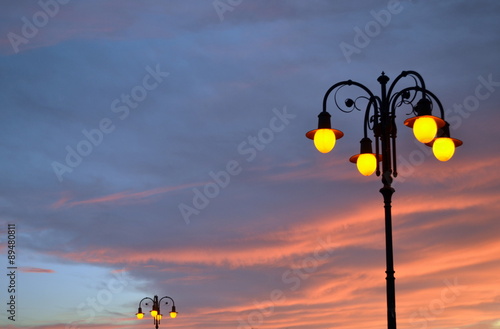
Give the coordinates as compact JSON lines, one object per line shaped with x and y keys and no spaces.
{"x":145,"y":299}
{"x":173,"y":303}
{"x":415,"y":75}
{"x":373,"y":101}
{"x":345,"y":83}
{"x":417,"y":89}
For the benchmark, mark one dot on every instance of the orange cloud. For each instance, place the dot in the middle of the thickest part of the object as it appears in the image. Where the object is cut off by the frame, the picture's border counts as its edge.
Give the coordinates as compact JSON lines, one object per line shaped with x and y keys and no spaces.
{"x":35,"y":270}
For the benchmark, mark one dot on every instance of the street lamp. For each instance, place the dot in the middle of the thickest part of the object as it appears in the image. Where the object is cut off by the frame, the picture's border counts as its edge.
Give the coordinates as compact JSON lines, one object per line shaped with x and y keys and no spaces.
{"x":155,"y":309}
{"x":380,"y":115}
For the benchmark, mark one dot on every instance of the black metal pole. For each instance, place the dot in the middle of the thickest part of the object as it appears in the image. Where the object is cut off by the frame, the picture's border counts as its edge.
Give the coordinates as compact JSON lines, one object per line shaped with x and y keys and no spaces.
{"x":156,"y":306}
{"x":387,"y":192}
{"x":386,"y":123}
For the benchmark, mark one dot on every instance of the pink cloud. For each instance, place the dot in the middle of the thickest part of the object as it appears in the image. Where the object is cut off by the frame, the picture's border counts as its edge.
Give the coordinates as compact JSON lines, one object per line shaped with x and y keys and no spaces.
{"x":35,"y":270}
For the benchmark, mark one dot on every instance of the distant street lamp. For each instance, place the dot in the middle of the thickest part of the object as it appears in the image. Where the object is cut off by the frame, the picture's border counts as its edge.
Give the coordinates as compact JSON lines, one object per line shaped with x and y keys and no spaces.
{"x":155,"y":309}
{"x":380,"y":114}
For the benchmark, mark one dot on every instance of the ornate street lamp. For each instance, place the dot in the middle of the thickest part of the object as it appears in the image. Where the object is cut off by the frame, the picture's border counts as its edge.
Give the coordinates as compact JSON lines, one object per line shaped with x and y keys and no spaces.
{"x":380,"y":115}
{"x":155,"y":309}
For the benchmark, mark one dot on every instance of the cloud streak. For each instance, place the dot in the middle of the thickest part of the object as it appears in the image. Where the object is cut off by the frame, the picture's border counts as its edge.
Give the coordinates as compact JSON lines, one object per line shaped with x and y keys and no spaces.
{"x":35,"y":270}
{"x":121,"y":197}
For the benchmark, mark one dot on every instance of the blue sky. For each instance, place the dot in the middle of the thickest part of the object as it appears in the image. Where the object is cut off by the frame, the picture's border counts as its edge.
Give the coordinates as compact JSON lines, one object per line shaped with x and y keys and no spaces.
{"x":158,"y":148}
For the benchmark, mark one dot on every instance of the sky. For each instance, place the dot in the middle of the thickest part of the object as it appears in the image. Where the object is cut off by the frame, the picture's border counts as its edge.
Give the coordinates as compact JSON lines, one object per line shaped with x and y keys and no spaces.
{"x":158,"y":148}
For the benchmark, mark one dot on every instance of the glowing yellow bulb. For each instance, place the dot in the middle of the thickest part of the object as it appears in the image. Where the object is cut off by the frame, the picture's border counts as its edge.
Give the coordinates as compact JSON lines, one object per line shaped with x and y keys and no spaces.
{"x":140,"y":315}
{"x":173,"y":315}
{"x":425,"y":129}
{"x":324,"y":140}
{"x":154,"y":313}
{"x":366,"y":163}
{"x":159,"y":316}
{"x":443,"y":148}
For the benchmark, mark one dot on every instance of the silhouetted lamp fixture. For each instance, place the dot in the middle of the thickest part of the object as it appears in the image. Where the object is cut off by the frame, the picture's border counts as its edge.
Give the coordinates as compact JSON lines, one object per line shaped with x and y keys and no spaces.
{"x":380,"y":115}
{"x":155,"y":309}
{"x":443,"y":146}
{"x":324,"y":137}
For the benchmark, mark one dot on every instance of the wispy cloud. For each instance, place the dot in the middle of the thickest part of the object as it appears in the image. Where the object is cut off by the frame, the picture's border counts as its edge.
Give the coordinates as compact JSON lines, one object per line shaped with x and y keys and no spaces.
{"x":120,"y":197}
{"x":35,"y":270}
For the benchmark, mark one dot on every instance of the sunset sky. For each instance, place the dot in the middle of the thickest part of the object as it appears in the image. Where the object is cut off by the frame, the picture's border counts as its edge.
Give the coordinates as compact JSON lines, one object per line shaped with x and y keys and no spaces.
{"x":157,"y":147}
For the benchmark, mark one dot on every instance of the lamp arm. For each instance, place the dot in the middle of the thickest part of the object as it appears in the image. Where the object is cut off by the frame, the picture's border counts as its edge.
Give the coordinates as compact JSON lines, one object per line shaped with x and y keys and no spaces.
{"x":418,"y":89}
{"x":145,"y":299}
{"x":173,"y":303}
{"x":345,"y":83}
{"x":416,"y":76}
{"x":375,"y":101}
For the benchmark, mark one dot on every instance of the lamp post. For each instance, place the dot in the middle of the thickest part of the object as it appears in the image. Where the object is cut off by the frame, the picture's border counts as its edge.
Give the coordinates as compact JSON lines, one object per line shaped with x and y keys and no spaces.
{"x":380,"y":115}
{"x":155,"y":309}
